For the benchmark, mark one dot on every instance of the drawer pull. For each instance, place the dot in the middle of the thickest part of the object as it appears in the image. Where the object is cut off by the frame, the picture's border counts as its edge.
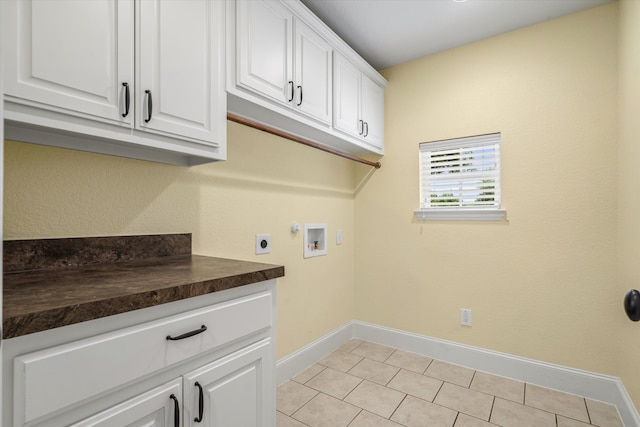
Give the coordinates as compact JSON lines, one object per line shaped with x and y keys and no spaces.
{"x":176,"y":410}
{"x":188,"y":334}
{"x":200,"y":403}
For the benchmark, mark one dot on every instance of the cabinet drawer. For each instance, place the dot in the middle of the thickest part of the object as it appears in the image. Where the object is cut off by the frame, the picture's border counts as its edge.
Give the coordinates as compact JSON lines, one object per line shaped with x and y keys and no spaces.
{"x":50,"y":380}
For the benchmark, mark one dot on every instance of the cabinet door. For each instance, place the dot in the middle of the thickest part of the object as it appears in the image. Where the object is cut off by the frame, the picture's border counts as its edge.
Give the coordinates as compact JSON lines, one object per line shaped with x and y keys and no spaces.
{"x":70,"y":56}
{"x":346,"y":97}
{"x":159,"y":407}
{"x":372,"y":111}
{"x":313,"y":73}
{"x":180,"y":61}
{"x":264,"y":49}
{"x":236,"y":391}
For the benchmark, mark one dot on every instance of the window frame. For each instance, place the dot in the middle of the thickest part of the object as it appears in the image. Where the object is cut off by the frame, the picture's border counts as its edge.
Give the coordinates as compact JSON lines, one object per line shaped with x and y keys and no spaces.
{"x":461,"y":213}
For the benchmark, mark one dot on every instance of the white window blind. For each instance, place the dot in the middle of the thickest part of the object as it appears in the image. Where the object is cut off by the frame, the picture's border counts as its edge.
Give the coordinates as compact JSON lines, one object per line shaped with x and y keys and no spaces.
{"x":461,"y":174}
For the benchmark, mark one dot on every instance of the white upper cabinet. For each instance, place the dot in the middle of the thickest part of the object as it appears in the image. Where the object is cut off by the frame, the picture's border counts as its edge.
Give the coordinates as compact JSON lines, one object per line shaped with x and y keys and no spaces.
{"x":359,"y":103}
{"x":134,"y":78}
{"x":283,"y":59}
{"x":372,"y":110}
{"x":74,"y":57}
{"x":347,"y":98}
{"x":265,"y":43}
{"x":146,"y":79}
{"x":179,"y":70}
{"x":313,"y":73}
{"x":280,"y":73}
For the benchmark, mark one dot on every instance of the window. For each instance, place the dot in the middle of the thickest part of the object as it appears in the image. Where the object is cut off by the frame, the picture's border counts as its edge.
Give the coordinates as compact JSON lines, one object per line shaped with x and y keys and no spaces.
{"x":460,"y":179}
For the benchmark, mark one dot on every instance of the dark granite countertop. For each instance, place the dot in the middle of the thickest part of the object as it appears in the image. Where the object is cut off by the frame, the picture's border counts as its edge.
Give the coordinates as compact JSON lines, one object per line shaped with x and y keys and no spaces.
{"x":80,"y":288}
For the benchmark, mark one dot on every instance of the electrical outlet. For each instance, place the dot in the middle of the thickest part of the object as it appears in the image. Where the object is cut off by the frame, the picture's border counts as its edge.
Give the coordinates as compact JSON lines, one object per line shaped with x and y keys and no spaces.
{"x":263,"y":244}
{"x":465,"y":317}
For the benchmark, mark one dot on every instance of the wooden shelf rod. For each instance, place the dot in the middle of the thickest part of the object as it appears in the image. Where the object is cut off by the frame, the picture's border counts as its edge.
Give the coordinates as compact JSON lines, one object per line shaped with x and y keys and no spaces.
{"x":309,"y":143}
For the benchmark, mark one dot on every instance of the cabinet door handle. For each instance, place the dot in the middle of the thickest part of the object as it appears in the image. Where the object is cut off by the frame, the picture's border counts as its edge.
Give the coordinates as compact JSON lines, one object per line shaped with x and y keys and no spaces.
{"x":188,"y":334}
{"x":361,"y":127}
{"x":127,"y":99}
{"x":291,"y":90}
{"x":200,"y":403}
{"x":176,"y":410}
{"x":300,"y":89}
{"x":149,"y":105}
{"x":366,"y":133}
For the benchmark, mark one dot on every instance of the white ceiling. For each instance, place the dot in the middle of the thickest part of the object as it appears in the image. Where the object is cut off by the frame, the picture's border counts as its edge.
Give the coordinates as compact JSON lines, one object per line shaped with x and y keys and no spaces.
{"x":391,"y":32}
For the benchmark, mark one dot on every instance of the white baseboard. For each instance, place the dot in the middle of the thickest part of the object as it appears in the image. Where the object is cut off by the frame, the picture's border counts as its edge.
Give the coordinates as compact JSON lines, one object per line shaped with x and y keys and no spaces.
{"x":298,"y":361}
{"x":588,"y":384}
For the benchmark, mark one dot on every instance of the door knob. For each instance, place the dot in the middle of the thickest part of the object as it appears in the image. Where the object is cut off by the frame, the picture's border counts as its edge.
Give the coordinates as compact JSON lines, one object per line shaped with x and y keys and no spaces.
{"x":632,"y":304}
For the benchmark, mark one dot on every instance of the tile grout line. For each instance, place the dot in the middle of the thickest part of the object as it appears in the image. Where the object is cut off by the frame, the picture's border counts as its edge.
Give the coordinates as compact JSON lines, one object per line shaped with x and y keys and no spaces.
{"x":587,"y":408}
{"x":451,"y":409}
{"x":456,"y":419}
{"x":493,"y":402}
{"x":428,"y":364}
{"x":397,"y":407}
{"x":305,"y":383}
{"x":352,"y":390}
{"x":394,"y":375}
{"x":388,"y":357}
{"x":356,"y":416}
{"x":472,"y":378}
{"x":438,"y":392}
{"x":560,"y":415}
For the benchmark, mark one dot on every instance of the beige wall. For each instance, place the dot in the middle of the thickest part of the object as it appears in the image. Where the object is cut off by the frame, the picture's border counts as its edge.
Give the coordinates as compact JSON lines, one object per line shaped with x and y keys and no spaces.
{"x":266,"y":185}
{"x":629,"y":191}
{"x":542,"y":284}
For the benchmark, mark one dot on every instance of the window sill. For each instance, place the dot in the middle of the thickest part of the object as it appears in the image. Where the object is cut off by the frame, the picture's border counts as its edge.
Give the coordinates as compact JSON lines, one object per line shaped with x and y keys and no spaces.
{"x":460,"y":214}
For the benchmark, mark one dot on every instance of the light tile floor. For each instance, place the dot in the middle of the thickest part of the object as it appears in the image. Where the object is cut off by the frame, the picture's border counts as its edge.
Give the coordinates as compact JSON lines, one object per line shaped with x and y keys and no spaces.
{"x":369,"y":385}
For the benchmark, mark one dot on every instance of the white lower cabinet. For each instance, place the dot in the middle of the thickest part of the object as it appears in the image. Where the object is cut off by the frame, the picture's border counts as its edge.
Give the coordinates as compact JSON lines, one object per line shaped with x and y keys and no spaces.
{"x":230,"y":392}
{"x":205,"y":361}
{"x":159,"y":407}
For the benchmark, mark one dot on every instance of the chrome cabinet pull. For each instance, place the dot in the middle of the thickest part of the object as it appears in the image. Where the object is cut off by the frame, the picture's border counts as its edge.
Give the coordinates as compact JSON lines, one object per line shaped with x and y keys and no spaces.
{"x":149,"y":105}
{"x":366,"y":124}
{"x":188,"y":334}
{"x":127,"y":99}
{"x":361,"y":127}
{"x":198,"y":419}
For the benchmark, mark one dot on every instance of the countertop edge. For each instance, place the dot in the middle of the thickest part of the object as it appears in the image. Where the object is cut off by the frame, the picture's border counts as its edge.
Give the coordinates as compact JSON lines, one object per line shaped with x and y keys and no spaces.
{"x":39,"y":321}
